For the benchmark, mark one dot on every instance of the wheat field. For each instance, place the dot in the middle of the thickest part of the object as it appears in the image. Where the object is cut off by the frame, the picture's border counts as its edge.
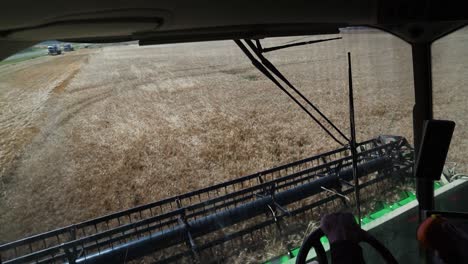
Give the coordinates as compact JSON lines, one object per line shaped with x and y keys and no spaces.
{"x":100,"y":130}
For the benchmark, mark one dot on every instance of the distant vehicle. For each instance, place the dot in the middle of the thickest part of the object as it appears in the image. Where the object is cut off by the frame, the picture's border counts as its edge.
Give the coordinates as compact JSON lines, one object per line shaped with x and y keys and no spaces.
{"x":68,"y":47}
{"x":54,"y":50}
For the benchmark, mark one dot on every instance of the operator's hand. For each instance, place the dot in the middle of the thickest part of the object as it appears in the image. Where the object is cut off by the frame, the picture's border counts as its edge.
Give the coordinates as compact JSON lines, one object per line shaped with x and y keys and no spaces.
{"x":341,"y":226}
{"x":344,"y":234}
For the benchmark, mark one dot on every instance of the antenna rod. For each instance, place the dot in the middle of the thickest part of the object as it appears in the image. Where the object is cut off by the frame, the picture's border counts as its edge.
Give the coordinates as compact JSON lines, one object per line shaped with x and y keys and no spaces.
{"x":352,"y":144}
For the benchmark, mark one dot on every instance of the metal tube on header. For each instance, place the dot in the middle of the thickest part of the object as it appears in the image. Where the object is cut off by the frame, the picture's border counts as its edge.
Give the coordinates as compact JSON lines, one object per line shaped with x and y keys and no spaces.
{"x":352,"y":143}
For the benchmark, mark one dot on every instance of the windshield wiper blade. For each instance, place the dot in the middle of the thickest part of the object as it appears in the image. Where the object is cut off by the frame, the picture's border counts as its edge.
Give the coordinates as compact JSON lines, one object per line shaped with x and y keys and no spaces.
{"x":266,"y":63}
{"x":298,"y":44}
{"x":266,"y":71}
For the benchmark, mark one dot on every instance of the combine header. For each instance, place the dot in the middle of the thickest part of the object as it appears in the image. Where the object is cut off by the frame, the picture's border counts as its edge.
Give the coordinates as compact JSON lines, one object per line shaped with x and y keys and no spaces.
{"x":200,"y":222}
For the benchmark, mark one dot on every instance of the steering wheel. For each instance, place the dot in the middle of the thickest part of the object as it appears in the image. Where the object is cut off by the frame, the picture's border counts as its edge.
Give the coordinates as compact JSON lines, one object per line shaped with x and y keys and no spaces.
{"x":313,"y":240}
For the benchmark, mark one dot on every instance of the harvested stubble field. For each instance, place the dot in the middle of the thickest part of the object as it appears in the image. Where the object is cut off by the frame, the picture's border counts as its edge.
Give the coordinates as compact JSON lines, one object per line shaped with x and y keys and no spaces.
{"x":95,"y":131}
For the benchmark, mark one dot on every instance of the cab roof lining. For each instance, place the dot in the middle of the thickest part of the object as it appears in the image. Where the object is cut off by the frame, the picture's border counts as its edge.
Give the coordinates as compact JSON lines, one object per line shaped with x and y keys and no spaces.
{"x":170,"y":21}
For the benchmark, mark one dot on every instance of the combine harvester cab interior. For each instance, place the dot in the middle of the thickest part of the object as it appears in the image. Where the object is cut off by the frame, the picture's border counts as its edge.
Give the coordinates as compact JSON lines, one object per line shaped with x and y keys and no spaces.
{"x":390,"y":182}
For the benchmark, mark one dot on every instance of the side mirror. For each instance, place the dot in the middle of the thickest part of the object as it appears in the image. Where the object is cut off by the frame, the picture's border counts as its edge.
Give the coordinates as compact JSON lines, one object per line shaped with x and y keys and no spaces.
{"x":437,"y":135}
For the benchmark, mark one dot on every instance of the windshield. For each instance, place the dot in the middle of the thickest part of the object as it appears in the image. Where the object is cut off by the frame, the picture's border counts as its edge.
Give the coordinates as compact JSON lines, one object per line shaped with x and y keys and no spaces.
{"x":216,"y":161}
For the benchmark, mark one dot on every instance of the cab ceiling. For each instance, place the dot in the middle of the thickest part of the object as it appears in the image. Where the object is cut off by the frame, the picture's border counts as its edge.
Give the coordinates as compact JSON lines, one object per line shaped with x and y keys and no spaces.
{"x":23,"y":23}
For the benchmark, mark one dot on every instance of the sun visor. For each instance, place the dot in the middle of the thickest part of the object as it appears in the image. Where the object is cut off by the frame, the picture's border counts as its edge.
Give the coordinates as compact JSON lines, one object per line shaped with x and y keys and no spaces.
{"x":95,"y":26}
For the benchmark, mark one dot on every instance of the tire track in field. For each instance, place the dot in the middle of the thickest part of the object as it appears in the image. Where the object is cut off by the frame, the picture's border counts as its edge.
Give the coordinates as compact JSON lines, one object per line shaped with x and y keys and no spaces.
{"x":24,"y":93}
